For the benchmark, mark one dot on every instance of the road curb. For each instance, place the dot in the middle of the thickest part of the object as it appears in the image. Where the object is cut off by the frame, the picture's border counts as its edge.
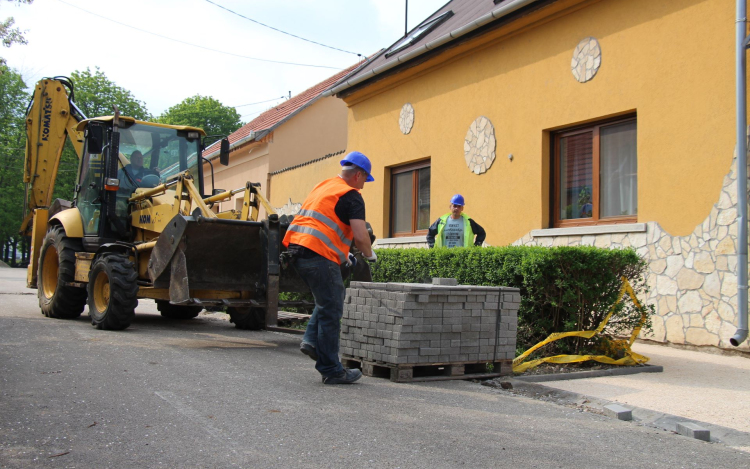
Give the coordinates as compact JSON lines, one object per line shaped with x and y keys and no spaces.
{"x":591,"y":374}
{"x":640,"y":416}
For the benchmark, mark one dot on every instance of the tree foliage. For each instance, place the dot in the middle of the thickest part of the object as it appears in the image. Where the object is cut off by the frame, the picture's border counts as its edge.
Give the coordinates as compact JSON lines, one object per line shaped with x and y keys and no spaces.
{"x":10,"y":35}
{"x":14,"y":97}
{"x":204,"y":112}
{"x":95,"y":94}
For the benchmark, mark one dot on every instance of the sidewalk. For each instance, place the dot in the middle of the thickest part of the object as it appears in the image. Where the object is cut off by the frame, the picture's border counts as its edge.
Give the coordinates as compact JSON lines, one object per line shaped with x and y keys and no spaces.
{"x":703,"y":387}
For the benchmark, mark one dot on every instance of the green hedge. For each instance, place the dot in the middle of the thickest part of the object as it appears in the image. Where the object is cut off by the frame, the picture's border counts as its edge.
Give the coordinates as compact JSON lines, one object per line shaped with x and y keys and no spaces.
{"x":562,"y":289}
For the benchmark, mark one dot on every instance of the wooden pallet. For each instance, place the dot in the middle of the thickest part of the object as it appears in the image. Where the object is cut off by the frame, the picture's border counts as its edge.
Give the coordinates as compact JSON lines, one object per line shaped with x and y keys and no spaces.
{"x":411,"y":373}
{"x":292,"y":318}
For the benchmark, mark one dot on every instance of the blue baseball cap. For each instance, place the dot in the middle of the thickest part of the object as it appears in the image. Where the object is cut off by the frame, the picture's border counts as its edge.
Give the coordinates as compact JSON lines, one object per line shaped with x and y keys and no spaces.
{"x":360,"y":160}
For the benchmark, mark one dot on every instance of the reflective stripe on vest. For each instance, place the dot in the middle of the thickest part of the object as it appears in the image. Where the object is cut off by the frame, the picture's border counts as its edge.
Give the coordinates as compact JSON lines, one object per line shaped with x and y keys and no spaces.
{"x":317,"y":227}
{"x":330,"y":223}
{"x":313,"y":232}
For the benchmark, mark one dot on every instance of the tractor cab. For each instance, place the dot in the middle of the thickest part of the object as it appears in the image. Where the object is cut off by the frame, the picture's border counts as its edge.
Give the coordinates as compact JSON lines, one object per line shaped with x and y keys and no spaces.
{"x":118,"y":160}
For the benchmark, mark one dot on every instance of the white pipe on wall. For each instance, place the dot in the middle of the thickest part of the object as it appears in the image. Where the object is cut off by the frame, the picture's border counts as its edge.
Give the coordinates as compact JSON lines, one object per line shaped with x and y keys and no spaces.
{"x":741,"y":84}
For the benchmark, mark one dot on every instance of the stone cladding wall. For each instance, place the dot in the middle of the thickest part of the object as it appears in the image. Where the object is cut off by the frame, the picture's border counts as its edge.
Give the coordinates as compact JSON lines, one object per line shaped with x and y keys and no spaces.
{"x":388,"y":244}
{"x":693,"y":279}
{"x":400,"y":323}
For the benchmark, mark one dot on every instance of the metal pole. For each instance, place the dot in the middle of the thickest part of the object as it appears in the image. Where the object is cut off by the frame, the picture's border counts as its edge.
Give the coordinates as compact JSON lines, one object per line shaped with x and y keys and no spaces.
{"x":406,"y":18}
{"x":741,"y":83}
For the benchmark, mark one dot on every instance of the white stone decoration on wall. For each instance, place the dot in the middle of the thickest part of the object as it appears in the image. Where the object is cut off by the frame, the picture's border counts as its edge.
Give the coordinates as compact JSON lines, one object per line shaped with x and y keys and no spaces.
{"x":479,"y":145}
{"x":586,"y":59}
{"x":406,"y":120}
{"x":290,"y":208}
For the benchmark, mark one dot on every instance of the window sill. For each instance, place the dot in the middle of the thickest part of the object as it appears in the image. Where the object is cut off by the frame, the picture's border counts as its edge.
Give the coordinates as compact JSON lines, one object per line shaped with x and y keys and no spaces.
{"x":385,"y":242}
{"x":590,"y":230}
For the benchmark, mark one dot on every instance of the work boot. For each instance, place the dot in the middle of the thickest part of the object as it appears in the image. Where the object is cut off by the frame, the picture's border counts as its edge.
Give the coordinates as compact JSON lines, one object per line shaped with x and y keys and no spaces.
{"x":346,"y":376}
{"x":309,"y":350}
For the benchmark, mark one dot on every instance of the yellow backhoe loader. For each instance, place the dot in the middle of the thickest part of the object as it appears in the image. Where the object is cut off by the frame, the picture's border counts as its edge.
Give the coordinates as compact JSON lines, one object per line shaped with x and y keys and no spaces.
{"x":142,"y":228}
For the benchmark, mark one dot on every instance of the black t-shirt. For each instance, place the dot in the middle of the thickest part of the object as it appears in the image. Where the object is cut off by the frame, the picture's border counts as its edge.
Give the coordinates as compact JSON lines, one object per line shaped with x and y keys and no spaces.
{"x":351,"y":206}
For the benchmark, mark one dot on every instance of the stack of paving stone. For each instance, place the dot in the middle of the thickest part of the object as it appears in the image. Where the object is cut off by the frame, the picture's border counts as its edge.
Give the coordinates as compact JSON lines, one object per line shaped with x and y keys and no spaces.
{"x":421,"y":324}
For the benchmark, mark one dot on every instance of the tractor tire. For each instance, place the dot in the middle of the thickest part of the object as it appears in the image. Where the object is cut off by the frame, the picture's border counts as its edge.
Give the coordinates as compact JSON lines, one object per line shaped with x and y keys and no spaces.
{"x":113,"y":292}
{"x":57,"y":266}
{"x":251,"y":319}
{"x":170,"y":311}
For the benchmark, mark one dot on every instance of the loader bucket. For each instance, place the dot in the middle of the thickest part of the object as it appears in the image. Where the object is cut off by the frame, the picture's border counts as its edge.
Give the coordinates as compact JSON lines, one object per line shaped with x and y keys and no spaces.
{"x":197,"y":253}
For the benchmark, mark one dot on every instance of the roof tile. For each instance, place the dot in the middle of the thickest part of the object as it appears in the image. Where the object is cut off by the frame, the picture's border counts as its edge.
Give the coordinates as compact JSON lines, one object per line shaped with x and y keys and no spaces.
{"x":271,"y":118}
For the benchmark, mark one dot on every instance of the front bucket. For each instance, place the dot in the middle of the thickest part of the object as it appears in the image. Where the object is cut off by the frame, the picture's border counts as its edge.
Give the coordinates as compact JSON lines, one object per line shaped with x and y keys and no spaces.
{"x":197,"y":253}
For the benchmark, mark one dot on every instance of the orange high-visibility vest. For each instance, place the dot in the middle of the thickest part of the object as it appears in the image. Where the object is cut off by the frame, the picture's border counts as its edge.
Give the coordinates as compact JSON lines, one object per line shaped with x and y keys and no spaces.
{"x":317,"y":227}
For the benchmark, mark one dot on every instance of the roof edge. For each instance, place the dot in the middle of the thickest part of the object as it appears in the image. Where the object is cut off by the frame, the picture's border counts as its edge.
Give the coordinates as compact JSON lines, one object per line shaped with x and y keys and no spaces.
{"x":259,"y":134}
{"x":456,"y":33}
{"x":289,"y":168}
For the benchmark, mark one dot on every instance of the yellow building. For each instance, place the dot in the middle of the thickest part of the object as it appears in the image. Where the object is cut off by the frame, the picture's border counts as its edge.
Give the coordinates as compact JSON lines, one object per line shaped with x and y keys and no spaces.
{"x":306,"y":127}
{"x":568,"y":122}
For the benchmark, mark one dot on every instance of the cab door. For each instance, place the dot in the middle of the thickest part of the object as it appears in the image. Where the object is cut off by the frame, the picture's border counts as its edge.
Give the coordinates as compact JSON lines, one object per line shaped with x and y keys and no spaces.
{"x":91,"y":183}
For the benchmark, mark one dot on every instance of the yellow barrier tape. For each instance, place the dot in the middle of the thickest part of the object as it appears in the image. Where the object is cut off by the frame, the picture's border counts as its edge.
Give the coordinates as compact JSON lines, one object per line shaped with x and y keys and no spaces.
{"x":630,"y":358}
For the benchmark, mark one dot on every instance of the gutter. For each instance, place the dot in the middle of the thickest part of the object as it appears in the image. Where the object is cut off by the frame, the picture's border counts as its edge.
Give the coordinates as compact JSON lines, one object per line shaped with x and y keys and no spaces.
{"x":741,"y":92}
{"x":444,"y":39}
{"x":251,"y":136}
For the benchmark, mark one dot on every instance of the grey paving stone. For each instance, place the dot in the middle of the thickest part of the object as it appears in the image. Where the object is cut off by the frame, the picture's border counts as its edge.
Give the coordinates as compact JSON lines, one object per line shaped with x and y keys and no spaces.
{"x":444,"y":281}
{"x":441,"y":322}
{"x":693,"y":430}
{"x":617,"y":411}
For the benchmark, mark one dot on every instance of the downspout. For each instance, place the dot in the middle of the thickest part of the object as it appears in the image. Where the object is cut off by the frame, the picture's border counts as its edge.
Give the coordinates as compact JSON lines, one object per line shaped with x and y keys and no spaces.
{"x":741,"y":71}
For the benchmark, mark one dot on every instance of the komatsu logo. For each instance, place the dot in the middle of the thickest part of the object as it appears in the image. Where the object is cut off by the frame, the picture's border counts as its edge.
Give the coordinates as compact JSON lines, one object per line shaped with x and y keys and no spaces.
{"x":145,"y":219}
{"x":47,"y":118}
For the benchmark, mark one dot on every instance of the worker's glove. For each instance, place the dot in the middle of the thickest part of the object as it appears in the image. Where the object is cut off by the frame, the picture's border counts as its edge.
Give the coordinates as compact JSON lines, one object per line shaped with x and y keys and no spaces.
{"x":372,"y":258}
{"x":351,"y":261}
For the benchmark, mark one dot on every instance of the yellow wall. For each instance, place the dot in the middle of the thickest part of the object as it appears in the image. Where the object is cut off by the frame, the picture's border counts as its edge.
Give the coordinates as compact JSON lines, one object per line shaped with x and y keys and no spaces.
{"x":296,"y":184}
{"x":314,"y":132}
{"x":248,"y":164}
{"x":670,"y":61}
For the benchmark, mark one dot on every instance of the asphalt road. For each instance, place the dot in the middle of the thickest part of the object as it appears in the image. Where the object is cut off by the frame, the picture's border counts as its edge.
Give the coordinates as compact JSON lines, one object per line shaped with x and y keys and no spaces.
{"x":201,"y":394}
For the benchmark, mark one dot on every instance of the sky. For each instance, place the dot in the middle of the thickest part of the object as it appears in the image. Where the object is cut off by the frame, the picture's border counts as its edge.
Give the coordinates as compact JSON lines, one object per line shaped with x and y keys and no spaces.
{"x":164,"y":51}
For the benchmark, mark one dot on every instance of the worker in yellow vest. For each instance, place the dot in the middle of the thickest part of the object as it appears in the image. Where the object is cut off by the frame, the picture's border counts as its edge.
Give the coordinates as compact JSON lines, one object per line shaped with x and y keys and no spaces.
{"x":455,"y":229}
{"x":318,"y":240}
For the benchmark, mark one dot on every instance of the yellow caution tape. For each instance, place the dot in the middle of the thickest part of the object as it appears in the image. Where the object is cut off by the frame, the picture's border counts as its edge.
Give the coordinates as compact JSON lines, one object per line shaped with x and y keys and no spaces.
{"x":630,"y":358}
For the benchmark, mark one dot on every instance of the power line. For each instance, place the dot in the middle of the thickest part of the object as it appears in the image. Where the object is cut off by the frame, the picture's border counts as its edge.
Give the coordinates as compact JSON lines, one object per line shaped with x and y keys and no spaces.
{"x":196,"y":45}
{"x":280,"y":31}
{"x":255,"y":114}
{"x":260,"y":102}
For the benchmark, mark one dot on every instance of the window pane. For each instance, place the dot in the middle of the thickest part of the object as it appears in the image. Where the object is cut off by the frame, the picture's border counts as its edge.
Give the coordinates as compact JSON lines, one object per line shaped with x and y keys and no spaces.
{"x":423,"y":204}
{"x":402,"y":203}
{"x":618,"y":174}
{"x":575,"y":176}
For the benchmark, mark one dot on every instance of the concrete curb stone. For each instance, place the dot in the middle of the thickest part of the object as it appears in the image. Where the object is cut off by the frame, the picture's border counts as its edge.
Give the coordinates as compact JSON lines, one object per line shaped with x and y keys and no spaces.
{"x":640,"y":416}
{"x":591,"y":374}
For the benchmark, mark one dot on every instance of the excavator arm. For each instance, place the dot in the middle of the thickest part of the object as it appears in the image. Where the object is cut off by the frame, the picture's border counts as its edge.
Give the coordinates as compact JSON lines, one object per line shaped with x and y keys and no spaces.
{"x":50,"y":118}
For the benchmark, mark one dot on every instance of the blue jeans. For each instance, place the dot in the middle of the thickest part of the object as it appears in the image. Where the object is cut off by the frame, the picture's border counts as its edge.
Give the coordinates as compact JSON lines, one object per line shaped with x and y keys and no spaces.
{"x":323,"y":277}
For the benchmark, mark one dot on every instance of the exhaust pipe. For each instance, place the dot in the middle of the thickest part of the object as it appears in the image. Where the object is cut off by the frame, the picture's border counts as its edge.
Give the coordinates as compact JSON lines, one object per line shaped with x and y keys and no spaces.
{"x":741,"y":84}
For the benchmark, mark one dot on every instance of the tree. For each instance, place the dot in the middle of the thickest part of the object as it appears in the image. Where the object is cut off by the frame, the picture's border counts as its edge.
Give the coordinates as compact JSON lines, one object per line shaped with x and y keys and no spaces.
{"x":95,"y":94}
{"x":10,"y":35}
{"x":14,"y":97}
{"x":204,"y":112}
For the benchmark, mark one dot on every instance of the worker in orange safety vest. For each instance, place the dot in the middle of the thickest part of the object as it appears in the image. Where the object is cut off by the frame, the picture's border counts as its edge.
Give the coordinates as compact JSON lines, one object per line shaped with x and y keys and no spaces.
{"x":318,"y":240}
